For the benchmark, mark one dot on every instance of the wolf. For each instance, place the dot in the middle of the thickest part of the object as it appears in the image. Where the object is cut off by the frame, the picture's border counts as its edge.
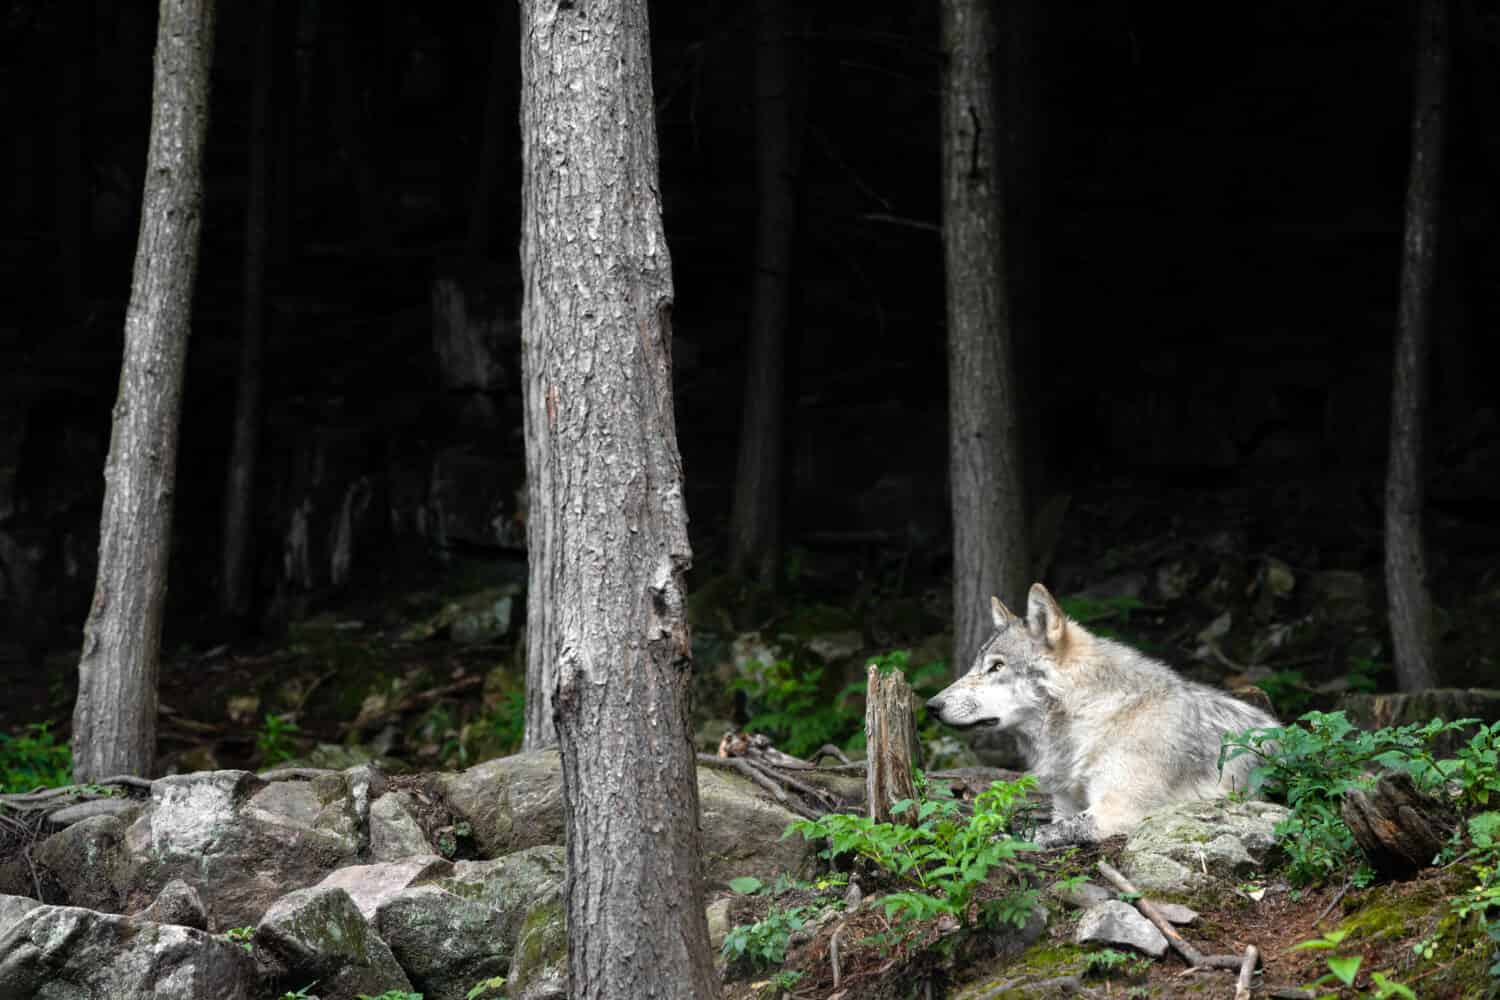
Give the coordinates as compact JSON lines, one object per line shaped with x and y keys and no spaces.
{"x":1109,"y":732}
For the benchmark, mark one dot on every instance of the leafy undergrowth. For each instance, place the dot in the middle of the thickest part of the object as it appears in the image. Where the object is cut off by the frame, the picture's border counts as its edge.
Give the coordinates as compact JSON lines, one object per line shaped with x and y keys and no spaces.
{"x":1402,"y":930}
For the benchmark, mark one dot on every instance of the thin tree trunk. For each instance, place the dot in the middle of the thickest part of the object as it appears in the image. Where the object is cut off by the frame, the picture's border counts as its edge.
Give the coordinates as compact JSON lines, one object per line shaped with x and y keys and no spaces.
{"x":114,"y":719}
{"x":989,"y":528}
{"x":495,"y":130}
{"x":239,"y":490}
{"x":755,"y":526}
{"x":607,"y":527}
{"x":1409,"y":603}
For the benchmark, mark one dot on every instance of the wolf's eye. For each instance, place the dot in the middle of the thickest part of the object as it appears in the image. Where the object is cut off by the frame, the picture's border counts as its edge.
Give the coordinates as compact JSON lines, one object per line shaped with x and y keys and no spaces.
{"x":994,"y":666}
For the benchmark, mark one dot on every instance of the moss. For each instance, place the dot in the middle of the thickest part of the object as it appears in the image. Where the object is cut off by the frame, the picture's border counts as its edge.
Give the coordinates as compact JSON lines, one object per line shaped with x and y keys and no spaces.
{"x":1386,"y":913}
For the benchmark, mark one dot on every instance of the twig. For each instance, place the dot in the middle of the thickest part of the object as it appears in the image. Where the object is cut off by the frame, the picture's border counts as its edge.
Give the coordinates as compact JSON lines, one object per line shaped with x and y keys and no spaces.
{"x":31,"y":798}
{"x":1333,"y":902}
{"x":1247,"y":973}
{"x":833,"y":954}
{"x":1191,"y":955}
{"x":829,"y":750}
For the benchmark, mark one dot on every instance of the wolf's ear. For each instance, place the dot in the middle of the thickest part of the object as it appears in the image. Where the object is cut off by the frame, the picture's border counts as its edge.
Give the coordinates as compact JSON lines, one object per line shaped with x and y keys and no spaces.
{"x":1043,"y":616}
{"x":1000,"y":614}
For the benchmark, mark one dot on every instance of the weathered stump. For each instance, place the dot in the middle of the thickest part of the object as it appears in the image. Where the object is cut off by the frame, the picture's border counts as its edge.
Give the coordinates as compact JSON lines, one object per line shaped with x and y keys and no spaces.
{"x":1399,"y":829}
{"x":888,"y":744}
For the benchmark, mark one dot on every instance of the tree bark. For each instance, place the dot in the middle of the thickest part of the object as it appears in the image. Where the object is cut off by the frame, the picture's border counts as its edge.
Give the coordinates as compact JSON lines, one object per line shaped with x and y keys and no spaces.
{"x":888,"y":742}
{"x":989,"y":524}
{"x":114,"y":719}
{"x":607,"y":529}
{"x":239,"y":490}
{"x":1399,"y":829}
{"x":755,"y":522}
{"x":1410,"y":606}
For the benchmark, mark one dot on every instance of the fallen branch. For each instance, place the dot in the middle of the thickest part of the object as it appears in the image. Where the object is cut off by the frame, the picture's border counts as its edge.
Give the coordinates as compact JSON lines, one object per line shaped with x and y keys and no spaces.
{"x":1148,"y":909}
{"x":23,"y":801}
{"x":1333,"y":902}
{"x":1247,"y":973}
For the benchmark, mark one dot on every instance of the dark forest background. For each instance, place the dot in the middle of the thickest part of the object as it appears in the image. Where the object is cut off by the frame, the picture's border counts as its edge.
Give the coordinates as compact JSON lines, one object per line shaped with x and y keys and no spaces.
{"x":1213,"y":220}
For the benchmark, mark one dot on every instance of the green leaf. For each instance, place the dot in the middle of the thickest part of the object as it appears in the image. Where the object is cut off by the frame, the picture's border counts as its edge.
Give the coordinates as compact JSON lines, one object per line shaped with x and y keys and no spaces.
{"x":1345,"y":967}
{"x":746,"y":885}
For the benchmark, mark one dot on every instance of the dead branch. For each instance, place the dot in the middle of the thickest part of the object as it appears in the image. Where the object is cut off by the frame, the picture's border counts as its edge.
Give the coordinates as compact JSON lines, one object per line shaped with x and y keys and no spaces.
{"x":1247,"y":973}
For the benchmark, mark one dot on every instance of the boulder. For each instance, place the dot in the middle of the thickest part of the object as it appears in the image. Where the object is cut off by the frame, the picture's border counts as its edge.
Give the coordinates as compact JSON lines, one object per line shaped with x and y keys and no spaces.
{"x":12,"y":909}
{"x":539,"y":970}
{"x":178,"y":904}
{"x":1192,"y":845}
{"x":464,"y":926}
{"x":1117,"y":922}
{"x":87,"y":862}
{"x":371,"y":885}
{"x":394,"y":830}
{"x":239,"y":841}
{"x":318,"y":934}
{"x":52,"y":952}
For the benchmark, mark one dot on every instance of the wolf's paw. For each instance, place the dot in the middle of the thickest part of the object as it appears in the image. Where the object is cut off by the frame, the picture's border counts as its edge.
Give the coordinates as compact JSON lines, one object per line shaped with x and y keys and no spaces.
{"x":1078,"y":829}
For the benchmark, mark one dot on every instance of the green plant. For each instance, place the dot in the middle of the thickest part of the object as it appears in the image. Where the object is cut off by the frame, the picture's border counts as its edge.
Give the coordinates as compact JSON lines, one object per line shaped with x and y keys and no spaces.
{"x":275,"y":740}
{"x":391,"y":995}
{"x":301,"y":994}
{"x":1108,"y":961}
{"x":1344,"y":969}
{"x":786,"y":979}
{"x":484,"y":987}
{"x":940,"y":855}
{"x":33,"y":759}
{"x":1310,"y":766}
{"x":1100,"y":613}
{"x":242,"y":936}
{"x":763,"y":943}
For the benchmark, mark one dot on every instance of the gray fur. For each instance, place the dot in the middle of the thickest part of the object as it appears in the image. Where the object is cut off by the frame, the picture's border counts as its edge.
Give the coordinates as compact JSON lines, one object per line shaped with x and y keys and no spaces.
{"x":1110,"y":733}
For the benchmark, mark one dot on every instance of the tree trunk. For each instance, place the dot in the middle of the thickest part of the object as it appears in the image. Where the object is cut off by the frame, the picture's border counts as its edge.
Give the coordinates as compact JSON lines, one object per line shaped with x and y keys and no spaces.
{"x":1399,"y":829}
{"x":114,"y":720}
{"x":239,"y":490}
{"x":1405,"y":557}
{"x":989,"y":526}
{"x":888,"y":742}
{"x":755,"y":525}
{"x":608,"y":637}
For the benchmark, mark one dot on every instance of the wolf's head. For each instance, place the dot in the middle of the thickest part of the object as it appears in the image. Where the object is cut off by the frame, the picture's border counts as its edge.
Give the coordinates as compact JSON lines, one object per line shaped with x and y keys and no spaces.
{"x":1013,"y":678}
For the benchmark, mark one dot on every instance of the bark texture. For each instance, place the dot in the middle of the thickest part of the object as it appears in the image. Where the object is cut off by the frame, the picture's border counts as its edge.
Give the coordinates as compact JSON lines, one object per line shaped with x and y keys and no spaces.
{"x":114,"y":719}
{"x":239,"y":488}
{"x":1399,"y":829}
{"x":1409,"y":603}
{"x":608,"y":644}
{"x":889,"y":739}
{"x":755,"y":522}
{"x":989,"y":522}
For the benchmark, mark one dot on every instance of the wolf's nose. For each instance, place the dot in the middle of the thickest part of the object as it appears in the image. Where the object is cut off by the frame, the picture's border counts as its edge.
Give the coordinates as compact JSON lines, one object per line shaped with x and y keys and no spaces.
{"x":935,"y":704}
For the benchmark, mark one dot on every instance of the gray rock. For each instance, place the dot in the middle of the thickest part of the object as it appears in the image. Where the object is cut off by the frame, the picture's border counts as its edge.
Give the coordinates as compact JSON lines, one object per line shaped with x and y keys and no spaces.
{"x":446,"y":943}
{"x":238,"y":842}
{"x":319,"y":934}
{"x":67,"y":952}
{"x":371,"y":885}
{"x":539,"y":970}
{"x":1116,"y":922}
{"x":12,"y":909}
{"x":178,"y":904}
{"x":465,"y":926}
{"x":1191,"y":845}
{"x":1175,"y":912}
{"x":516,"y":802}
{"x":394,"y":830}
{"x":87,"y":861}
{"x":719,"y":926}
{"x":1084,"y":896}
